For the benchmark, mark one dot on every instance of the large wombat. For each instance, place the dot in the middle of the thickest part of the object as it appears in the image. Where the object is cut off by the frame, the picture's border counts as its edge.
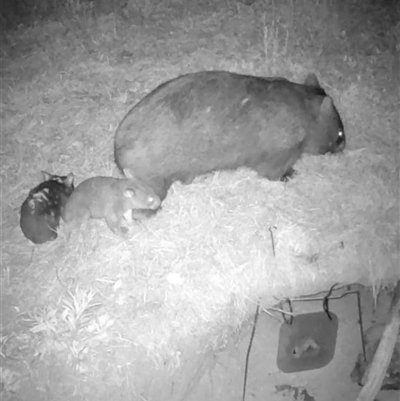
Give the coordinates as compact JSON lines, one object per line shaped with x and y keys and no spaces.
{"x":216,"y":120}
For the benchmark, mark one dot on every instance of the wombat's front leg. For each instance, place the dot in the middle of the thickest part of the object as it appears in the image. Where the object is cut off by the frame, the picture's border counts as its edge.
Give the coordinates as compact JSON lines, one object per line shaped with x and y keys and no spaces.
{"x":114,"y":224}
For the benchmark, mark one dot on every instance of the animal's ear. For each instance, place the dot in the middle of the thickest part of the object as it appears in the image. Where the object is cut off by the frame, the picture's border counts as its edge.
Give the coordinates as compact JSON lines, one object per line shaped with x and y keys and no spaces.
{"x":129,"y":193}
{"x":69,"y":180}
{"x":312,"y":80}
{"x":326,"y":106}
{"x":47,"y":176}
{"x":127,"y":173}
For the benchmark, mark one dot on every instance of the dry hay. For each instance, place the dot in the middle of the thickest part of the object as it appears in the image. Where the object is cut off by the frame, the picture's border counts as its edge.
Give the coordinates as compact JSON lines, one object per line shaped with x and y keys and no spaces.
{"x":198,"y":267}
{"x":193,"y":273}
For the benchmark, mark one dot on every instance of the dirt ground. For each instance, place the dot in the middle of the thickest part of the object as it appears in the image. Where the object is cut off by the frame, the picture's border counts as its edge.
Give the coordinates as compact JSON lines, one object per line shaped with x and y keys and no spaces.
{"x":267,"y":382}
{"x":223,"y":373}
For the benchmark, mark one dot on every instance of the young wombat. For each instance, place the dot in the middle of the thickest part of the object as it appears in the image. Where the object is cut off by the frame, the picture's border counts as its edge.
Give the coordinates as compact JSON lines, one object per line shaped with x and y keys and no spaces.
{"x":42,"y":209}
{"x":109,"y":198}
{"x":215,"y":120}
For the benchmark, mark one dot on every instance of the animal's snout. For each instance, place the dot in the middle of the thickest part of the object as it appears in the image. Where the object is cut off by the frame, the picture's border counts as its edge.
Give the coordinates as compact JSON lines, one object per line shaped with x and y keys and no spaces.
{"x":340,"y":141}
{"x":337,"y":145}
{"x":153,"y":201}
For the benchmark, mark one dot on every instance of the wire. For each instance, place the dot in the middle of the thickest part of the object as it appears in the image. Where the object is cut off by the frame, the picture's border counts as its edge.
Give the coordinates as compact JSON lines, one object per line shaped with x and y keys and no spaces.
{"x":246,"y":368}
{"x":285,"y":319}
{"x":325,"y":302}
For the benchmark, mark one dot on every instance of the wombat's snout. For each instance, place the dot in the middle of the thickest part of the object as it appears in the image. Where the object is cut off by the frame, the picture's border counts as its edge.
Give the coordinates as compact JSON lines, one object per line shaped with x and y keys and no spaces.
{"x":337,"y":145}
{"x":340,"y":141}
{"x":153,"y":201}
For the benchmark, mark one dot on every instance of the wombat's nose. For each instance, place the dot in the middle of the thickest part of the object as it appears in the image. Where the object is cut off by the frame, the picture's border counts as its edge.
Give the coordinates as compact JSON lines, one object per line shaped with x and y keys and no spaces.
{"x":153,"y":202}
{"x":340,"y":142}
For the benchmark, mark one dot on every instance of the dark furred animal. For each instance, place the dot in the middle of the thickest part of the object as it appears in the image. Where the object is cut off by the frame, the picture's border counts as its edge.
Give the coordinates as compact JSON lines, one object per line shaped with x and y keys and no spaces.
{"x":42,"y":209}
{"x":216,"y":120}
{"x":109,"y":198}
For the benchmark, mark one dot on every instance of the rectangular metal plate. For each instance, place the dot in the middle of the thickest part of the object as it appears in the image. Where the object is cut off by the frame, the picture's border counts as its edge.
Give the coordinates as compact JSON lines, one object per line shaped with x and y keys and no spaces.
{"x":308,"y":343}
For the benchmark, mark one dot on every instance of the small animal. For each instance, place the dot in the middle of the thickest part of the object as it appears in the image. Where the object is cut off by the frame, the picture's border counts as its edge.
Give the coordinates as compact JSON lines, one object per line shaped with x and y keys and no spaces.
{"x":217,"y":120}
{"x":42,"y":209}
{"x":109,"y":198}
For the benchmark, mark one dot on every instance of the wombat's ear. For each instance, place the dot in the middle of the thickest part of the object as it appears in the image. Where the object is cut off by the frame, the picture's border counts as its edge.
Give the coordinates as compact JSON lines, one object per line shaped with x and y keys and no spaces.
{"x":312,"y":80}
{"x":69,"y":180}
{"x":47,"y":176}
{"x":127,"y":173}
{"x":326,"y":106}
{"x":129,"y":193}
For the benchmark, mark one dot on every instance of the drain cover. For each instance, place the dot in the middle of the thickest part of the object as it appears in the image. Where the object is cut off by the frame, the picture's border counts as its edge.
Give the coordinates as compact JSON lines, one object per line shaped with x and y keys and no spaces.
{"x":308,"y":343}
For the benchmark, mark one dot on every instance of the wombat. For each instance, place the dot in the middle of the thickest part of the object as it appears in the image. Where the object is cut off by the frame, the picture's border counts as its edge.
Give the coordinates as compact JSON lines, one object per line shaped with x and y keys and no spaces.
{"x":42,"y":209}
{"x":217,"y":120}
{"x":109,"y":198}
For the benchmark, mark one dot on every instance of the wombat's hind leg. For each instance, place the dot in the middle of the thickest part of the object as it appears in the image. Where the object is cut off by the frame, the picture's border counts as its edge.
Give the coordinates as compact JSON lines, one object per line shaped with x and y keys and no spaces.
{"x":266,"y":170}
{"x":69,"y":227}
{"x":114,"y":224}
{"x":279,"y":167}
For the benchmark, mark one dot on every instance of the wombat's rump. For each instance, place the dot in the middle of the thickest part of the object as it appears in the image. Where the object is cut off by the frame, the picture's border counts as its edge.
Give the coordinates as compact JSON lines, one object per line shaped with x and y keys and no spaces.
{"x":216,"y":120}
{"x":109,"y":198}
{"x":44,"y":206}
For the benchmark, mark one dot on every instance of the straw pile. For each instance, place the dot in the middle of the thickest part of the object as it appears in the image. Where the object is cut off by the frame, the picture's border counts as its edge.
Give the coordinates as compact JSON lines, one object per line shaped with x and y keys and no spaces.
{"x":188,"y":277}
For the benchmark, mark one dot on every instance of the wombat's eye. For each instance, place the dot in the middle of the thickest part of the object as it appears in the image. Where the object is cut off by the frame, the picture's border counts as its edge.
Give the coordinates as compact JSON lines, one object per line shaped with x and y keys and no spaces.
{"x":340,"y":134}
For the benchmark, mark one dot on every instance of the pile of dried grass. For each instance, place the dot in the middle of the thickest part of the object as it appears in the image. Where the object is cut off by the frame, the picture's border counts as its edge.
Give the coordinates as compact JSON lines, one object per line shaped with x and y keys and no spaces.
{"x":193,"y":273}
{"x":222,"y":242}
